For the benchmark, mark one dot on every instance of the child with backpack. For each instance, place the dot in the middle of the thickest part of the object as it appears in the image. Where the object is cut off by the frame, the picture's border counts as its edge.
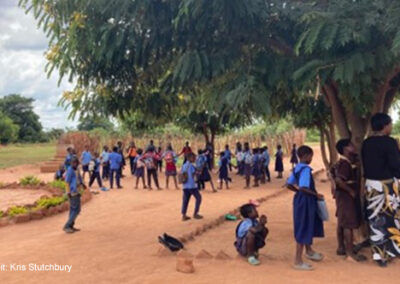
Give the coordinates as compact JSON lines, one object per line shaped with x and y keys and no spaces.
{"x":187,"y":176}
{"x":139,"y":171}
{"x":170,"y":158}
{"x":307,"y":222}
{"x":251,"y":233}
{"x":150,"y":158}
{"x":203,"y":171}
{"x":94,"y":169}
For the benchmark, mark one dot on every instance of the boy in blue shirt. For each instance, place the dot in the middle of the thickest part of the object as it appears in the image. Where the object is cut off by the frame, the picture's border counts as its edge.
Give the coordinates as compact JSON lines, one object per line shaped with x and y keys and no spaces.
{"x":115,"y":159}
{"x":228,"y":155}
{"x":251,"y":233}
{"x":73,"y":181}
{"x":86,"y":157}
{"x":307,"y":223}
{"x":190,"y":188}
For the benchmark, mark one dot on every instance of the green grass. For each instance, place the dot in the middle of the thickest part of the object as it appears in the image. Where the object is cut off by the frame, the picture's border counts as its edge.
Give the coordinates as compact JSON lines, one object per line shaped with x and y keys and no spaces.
{"x":19,"y":154}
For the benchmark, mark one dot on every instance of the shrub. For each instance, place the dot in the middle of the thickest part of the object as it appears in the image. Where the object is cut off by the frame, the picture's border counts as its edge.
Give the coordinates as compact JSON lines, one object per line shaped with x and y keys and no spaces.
{"x":30,"y":180}
{"x":59,"y":184}
{"x":1,"y":214}
{"x":49,"y":202}
{"x":17,"y":210}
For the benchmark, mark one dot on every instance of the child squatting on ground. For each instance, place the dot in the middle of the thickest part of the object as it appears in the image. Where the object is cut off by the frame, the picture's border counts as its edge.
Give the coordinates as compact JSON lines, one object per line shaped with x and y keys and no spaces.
{"x":251,"y":233}
{"x":307,"y":223}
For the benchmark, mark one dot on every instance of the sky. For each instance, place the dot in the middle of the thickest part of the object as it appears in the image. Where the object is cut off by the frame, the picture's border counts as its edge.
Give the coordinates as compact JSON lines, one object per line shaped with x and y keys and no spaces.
{"x":22,"y":64}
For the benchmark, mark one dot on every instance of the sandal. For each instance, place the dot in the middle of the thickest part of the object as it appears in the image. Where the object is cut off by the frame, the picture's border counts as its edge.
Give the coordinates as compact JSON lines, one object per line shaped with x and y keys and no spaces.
{"x":303,"y":266}
{"x":253,"y":260}
{"x":315,"y":256}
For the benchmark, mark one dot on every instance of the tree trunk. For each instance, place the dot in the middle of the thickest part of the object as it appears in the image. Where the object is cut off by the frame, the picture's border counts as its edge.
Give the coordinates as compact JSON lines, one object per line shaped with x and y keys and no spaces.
{"x":213,"y":148}
{"x":337,"y":110}
{"x":323,"y":148}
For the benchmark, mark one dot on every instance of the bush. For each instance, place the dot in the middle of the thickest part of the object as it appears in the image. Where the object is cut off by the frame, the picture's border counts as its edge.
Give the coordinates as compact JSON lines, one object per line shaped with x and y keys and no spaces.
{"x":59,"y":184}
{"x":8,"y":130}
{"x":17,"y":210}
{"x":30,"y":180}
{"x":50,"y":202}
{"x":1,"y":214}
{"x":313,"y":135}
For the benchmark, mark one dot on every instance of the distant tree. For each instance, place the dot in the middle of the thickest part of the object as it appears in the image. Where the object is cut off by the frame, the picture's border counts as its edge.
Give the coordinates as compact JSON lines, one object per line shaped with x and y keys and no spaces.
{"x":88,"y":123}
{"x":20,"y":110}
{"x":8,"y":130}
{"x":54,"y":133}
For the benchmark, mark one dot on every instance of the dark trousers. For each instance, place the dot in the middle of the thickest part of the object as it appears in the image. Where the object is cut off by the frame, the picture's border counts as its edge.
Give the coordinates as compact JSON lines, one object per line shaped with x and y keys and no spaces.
{"x":95,"y":176}
{"x":267,"y":173}
{"x":187,"y":193}
{"x":201,"y":185}
{"x":159,"y":164}
{"x":117,"y":177}
{"x":132,"y":164}
{"x":152,"y":173}
{"x":106,"y":171}
{"x":74,"y":209}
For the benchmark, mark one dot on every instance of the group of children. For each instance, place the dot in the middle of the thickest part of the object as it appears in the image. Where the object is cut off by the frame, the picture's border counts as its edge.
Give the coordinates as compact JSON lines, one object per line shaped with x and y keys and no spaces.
{"x":307,"y":219}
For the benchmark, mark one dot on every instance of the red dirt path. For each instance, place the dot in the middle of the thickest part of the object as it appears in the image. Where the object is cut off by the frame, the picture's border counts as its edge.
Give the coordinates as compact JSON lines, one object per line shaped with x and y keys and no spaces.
{"x":118,"y":241}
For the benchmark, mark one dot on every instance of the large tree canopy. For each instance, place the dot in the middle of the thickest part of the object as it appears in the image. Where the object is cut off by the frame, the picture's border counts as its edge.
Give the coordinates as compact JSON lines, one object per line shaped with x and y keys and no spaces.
{"x":20,"y":110}
{"x":254,"y":57}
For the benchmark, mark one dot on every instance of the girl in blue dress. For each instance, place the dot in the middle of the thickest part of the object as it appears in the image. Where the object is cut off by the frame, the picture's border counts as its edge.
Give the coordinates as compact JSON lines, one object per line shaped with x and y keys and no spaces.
{"x":307,"y":223}
{"x":223,"y":170}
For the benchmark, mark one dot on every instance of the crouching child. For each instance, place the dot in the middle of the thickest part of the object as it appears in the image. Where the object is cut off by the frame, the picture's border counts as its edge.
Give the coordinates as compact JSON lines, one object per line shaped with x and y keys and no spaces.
{"x":251,"y":233}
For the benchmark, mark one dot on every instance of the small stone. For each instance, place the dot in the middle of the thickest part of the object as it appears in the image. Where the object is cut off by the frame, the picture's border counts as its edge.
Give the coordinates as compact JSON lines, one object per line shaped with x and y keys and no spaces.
{"x":184,"y":265}
{"x":36,"y":215}
{"x":203,"y":254}
{"x":185,"y":254}
{"x":198,"y":231}
{"x":22,"y":218}
{"x":221,"y":255}
{"x":53,"y":211}
{"x":182,"y":239}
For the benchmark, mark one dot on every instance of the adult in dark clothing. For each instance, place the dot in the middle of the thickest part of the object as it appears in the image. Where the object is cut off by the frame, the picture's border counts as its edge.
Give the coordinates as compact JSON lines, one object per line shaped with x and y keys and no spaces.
{"x":381,"y":161}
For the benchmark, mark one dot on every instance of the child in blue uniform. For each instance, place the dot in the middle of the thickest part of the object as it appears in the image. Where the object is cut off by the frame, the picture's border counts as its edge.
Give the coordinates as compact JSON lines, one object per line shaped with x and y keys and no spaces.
{"x":139,"y":172}
{"x":115,"y":159}
{"x":190,"y":188}
{"x":248,"y":163}
{"x":73,"y":182}
{"x":223,"y":170}
{"x":307,"y":223}
{"x":256,"y":170}
{"x":266,"y":160}
{"x":86,"y":157}
{"x":250,"y":233}
{"x":279,"y":161}
{"x":95,"y":172}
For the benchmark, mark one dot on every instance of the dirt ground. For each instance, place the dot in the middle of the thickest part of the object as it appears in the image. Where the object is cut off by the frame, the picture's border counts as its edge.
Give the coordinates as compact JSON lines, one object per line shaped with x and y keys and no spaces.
{"x":118,"y":241}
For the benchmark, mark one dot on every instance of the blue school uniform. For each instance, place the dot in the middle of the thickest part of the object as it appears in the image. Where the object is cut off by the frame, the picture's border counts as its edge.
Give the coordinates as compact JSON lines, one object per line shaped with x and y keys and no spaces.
{"x":256,"y":171}
{"x":307,"y":223}
{"x":67,"y":162}
{"x":115,"y":160}
{"x":86,"y":158}
{"x":223,"y":168}
{"x":266,"y":158}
